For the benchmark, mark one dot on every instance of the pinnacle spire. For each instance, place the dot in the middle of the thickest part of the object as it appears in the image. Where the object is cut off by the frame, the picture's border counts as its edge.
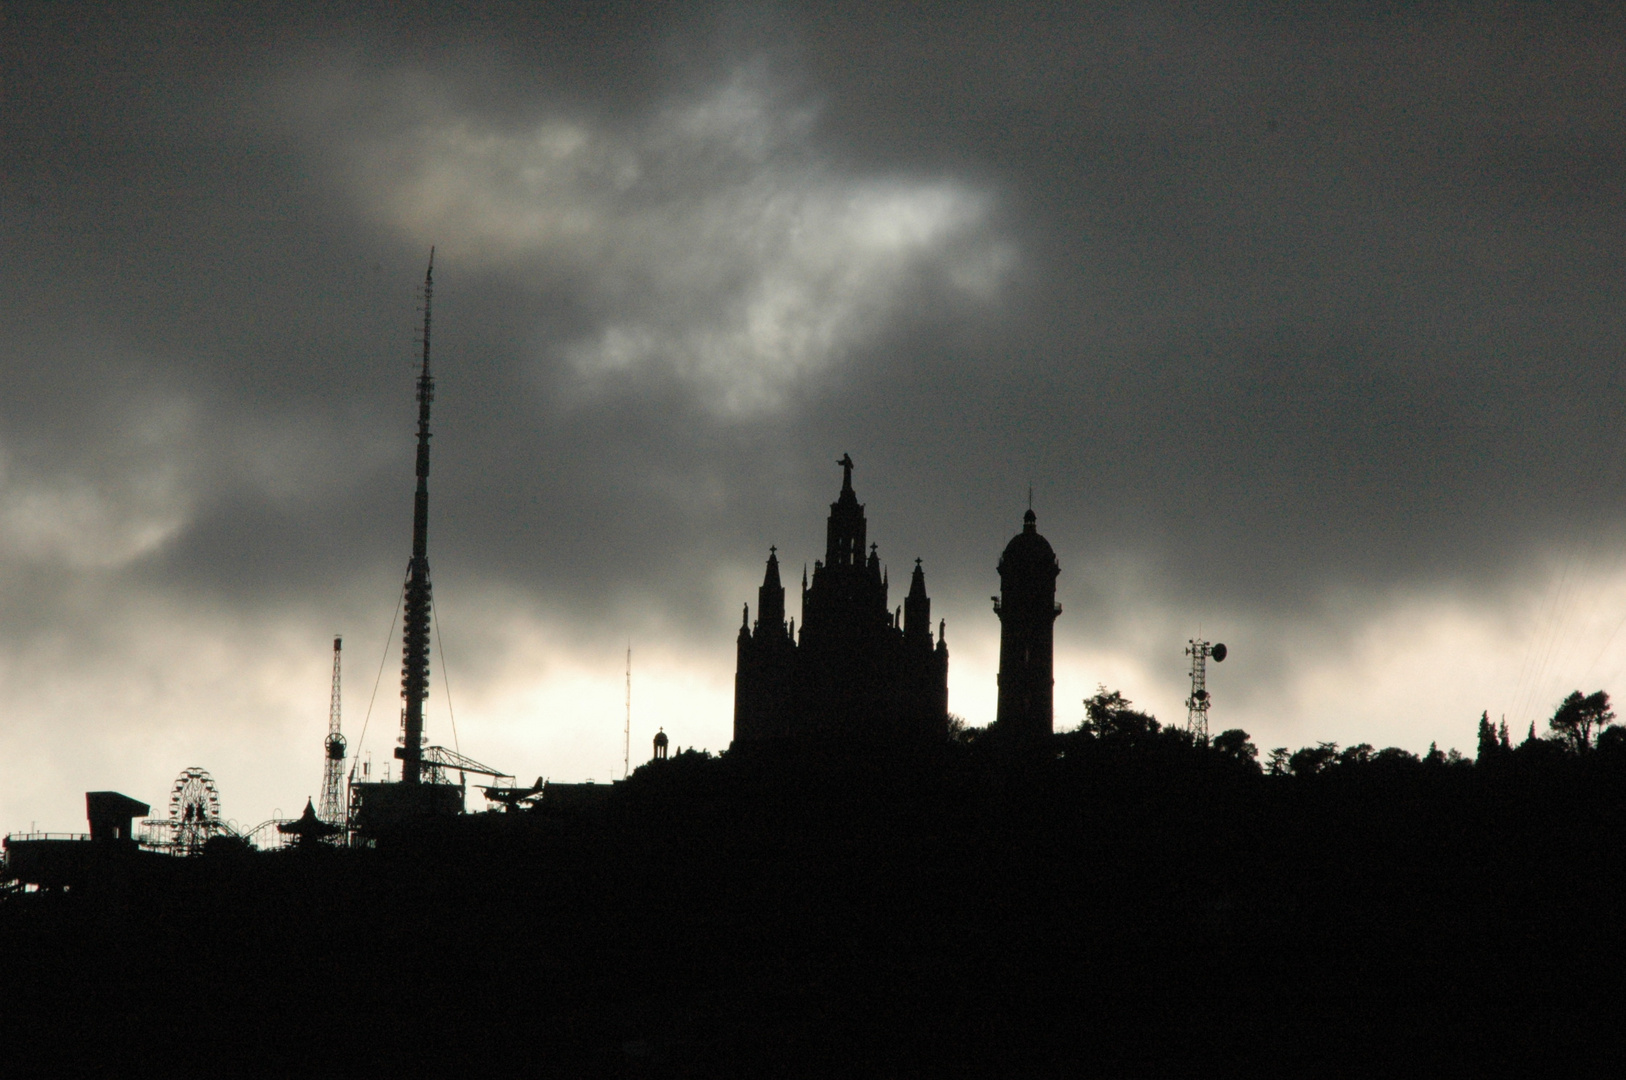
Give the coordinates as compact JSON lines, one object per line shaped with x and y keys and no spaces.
{"x":844,"y":536}
{"x":416,"y":623}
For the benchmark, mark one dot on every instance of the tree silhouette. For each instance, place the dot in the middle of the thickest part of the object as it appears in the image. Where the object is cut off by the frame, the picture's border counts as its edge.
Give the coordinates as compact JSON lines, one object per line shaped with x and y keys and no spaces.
{"x":1359,"y":754}
{"x":1313,"y":759}
{"x":1235,"y":744}
{"x":1490,"y":748}
{"x":1107,"y":715}
{"x":1578,"y":716}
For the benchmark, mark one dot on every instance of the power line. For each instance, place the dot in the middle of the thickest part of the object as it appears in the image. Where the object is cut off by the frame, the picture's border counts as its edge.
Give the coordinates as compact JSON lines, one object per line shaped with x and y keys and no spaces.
{"x":446,"y":680}
{"x":389,"y":636}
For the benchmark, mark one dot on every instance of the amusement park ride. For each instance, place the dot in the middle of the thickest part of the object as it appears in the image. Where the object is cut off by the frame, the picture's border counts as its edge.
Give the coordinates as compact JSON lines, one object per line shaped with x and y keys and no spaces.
{"x":353,"y":810}
{"x":358,"y":809}
{"x":194,"y":817}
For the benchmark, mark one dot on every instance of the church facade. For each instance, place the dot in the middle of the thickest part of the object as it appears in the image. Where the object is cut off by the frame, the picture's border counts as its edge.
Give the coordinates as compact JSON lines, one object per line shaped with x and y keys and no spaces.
{"x":858,"y":671}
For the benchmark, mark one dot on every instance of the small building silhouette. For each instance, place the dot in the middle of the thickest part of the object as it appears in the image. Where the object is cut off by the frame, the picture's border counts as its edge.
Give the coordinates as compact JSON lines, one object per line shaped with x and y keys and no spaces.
{"x":660,"y":745}
{"x":106,"y":856}
{"x":110,"y":814}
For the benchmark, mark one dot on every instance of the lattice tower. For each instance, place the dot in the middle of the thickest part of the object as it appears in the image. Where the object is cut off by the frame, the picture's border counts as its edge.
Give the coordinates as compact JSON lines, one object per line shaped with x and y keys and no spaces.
{"x":333,"y":809}
{"x":1197,"y":703}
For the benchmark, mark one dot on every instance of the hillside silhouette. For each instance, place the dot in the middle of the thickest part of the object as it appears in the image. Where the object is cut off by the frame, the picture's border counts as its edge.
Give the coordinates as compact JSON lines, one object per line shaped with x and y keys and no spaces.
{"x":1124,"y":901}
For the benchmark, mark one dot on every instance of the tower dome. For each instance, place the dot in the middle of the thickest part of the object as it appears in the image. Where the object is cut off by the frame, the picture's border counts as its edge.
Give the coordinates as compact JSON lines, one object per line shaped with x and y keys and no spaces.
{"x":1028,"y":554}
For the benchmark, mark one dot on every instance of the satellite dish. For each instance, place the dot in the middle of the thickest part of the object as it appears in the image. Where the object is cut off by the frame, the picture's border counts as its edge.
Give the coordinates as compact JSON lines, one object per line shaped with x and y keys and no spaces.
{"x":1219,"y":652}
{"x":1201,"y":695}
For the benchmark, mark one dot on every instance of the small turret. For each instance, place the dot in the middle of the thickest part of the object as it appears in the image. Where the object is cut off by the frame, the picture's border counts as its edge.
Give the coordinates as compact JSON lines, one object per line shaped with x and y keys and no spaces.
{"x":771,"y":597}
{"x":917,"y":609}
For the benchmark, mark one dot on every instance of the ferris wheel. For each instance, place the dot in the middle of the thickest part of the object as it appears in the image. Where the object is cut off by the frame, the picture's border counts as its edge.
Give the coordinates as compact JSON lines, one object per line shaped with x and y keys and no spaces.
{"x":194,"y":810}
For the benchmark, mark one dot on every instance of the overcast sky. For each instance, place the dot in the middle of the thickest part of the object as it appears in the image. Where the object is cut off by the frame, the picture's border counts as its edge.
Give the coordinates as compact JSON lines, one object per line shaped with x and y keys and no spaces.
{"x":1304,"y":322}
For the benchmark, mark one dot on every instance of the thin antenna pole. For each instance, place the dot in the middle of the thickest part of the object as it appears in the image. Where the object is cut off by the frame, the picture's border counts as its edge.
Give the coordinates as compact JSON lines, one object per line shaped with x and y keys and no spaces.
{"x":626,"y":744}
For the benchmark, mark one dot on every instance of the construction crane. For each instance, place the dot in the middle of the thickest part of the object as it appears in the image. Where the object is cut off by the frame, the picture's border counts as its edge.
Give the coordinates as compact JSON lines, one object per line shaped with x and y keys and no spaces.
{"x":334,"y":803}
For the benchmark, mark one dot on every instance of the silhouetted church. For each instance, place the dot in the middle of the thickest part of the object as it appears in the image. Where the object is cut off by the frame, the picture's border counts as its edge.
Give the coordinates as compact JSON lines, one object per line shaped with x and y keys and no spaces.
{"x":858,"y":672}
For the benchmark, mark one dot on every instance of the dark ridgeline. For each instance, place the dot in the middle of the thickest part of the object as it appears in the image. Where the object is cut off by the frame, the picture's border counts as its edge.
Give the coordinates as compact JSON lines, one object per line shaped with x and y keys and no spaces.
{"x":860,"y":674}
{"x":1027,"y":611}
{"x":1139,"y":904}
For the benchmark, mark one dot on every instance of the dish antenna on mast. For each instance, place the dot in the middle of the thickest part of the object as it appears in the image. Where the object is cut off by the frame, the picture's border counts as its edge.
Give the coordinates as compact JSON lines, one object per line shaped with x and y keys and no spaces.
{"x":1197,"y":703}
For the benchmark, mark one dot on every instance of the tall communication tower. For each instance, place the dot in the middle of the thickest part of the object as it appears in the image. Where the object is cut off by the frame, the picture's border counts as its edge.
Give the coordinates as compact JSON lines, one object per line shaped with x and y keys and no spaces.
{"x":415,"y":623}
{"x":626,"y":744}
{"x":334,"y":804}
{"x":1197,"y":703}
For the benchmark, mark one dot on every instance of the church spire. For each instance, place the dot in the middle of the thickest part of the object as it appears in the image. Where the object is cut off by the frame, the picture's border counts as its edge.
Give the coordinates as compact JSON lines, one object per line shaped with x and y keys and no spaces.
{"x":917,"y":609}
{"x":844,"y":536}
{"x":771,"y":597}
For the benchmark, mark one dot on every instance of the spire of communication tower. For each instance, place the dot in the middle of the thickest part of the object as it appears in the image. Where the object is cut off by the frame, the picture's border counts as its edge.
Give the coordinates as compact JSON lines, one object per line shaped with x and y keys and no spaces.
{"x":333,"y":802}
{"x":415,"y":624}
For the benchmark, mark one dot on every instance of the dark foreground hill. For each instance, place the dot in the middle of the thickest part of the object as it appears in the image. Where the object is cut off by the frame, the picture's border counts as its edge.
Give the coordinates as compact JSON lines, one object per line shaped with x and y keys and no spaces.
{"x":1098,"y":914}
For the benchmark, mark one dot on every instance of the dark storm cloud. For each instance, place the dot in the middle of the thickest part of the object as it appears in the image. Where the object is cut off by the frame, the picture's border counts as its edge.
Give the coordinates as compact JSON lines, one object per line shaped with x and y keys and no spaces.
{"x":1327,"y":299}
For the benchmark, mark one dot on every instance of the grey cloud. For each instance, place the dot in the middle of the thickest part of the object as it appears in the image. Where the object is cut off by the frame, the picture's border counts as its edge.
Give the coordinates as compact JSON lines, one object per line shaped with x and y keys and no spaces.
{"x":706,"y":240}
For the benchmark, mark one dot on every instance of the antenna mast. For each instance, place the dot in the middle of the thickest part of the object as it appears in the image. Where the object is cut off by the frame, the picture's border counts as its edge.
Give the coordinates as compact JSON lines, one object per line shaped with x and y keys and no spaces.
{"x":1197,"y":703}
{"x":626,"y":745}
{"x":333,"y":802}
{"x":415,"y":625}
